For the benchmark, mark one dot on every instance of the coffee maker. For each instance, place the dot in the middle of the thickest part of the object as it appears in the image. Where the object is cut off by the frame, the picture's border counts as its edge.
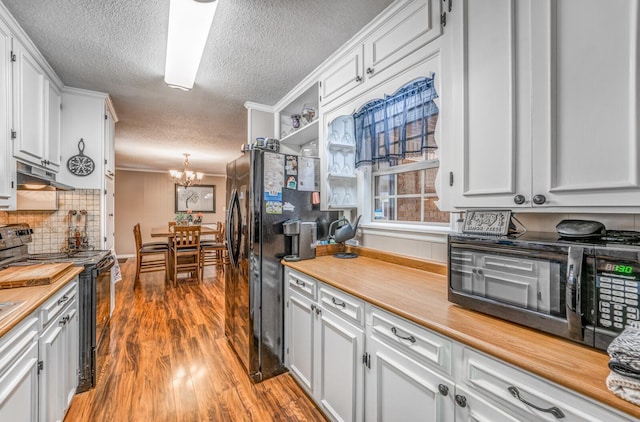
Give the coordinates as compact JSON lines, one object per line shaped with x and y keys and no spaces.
{"x":303,"y":236}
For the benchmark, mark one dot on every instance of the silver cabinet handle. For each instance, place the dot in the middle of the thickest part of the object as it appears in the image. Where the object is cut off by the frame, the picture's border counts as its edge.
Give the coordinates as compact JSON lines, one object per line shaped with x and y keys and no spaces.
{"x":539,"y":199}
{"x":300,"y":283}
{"x":358,"y":78}
{"x":519,"y":199}
{"x":64,"y":320}
{"x":461,"y":400}
{"x":336,"y":303}
{"x":443,"y":389}
{"x":370,"y":71}
{"x":63,"y":299}
{"x":555,"y":411}
{"x":394,"y":330}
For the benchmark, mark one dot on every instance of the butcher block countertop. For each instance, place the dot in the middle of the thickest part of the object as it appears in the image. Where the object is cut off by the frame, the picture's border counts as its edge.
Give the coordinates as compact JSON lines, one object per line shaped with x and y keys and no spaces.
{"x":420,"y":295}
{"x":33,"y":297}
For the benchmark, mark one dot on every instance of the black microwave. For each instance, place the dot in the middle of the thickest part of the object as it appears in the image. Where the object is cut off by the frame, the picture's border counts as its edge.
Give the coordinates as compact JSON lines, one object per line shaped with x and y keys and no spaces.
{"x":584,"y":291}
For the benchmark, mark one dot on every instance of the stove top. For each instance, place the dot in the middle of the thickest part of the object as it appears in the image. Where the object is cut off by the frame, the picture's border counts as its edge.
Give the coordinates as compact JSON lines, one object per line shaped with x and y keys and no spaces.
{"x":77,"y":258}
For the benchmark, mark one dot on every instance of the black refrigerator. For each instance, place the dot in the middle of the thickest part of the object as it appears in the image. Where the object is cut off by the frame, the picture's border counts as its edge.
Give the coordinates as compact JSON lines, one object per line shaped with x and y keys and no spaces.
{"x":264,"y":189}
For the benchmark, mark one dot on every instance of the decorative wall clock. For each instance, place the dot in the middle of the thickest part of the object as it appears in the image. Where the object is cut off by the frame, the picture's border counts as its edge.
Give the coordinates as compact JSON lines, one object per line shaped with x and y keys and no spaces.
{"x":80,"y":164}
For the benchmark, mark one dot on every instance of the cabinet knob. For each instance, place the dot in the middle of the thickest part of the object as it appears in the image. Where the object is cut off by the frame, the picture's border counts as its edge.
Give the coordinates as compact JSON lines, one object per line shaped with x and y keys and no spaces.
{"x":519,"y":199}
{"x":443,"y":389}
{"x":358,"y":78}
{"x":539,"y":199}
{"x":461,"y":400}
{"x":370,"y":71}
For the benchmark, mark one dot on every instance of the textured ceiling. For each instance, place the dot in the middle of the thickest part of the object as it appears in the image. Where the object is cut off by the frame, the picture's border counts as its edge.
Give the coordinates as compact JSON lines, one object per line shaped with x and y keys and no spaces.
{"x":257,"y":51}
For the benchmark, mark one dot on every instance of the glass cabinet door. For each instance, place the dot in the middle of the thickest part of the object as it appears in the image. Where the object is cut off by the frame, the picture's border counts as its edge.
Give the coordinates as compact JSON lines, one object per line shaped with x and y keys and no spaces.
{"x":340,"y":163}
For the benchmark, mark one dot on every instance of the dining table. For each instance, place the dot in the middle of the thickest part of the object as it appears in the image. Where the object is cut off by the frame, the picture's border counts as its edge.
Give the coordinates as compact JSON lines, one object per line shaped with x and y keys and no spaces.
{"x":167,"y":233}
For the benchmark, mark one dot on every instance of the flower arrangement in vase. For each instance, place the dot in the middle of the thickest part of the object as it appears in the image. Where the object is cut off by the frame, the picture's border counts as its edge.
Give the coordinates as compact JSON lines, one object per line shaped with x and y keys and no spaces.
{"x":198,"y":219}
{"x":184,"y":219}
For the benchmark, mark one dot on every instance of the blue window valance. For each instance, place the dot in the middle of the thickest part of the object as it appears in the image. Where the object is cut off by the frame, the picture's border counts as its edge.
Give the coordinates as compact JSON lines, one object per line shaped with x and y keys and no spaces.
{"x":399,"y":126}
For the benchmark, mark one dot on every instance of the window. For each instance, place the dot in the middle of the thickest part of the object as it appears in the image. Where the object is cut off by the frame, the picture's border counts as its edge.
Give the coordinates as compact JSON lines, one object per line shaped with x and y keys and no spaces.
{"x":395,"y":136}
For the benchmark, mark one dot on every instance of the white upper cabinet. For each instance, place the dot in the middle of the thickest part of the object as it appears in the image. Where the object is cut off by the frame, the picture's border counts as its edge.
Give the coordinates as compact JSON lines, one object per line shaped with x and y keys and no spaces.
{"x":402,"y":33}
{"x":52,"y":141}
{"x":343,"y":76}
{"x":585,"y":103}
{"x":29,"y":107}
{"x":109,"y":144}
{"x":393,"y":45}
{"x":36,"y":111}
{"x":7,"y":173}
{"x":545,"y":104}
{"x":492,"y":129}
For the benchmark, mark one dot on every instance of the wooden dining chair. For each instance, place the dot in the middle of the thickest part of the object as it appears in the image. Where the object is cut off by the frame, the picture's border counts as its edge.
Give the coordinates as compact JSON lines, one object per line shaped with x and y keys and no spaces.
{"x":186,"y":251}
{"x":150,"y":257}
{"x":172,"y":224}
{"x":212,"y":252}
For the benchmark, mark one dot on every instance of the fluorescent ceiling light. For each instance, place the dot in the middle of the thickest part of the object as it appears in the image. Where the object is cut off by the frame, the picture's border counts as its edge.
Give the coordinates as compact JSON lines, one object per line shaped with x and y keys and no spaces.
{"x":189,"y":25}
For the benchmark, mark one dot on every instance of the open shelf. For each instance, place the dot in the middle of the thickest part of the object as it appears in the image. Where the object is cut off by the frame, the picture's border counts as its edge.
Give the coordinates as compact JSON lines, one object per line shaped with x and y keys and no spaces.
{"x":303,"y":135}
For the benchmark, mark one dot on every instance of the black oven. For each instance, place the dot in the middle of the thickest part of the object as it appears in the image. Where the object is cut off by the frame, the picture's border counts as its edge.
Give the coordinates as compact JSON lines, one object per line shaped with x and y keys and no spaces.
{"x":583,"y":291}
{"x":95,"y":311}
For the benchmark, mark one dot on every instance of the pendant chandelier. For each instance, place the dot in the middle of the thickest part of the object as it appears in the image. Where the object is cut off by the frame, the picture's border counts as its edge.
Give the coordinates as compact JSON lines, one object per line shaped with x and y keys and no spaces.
{"x":185,"y":177}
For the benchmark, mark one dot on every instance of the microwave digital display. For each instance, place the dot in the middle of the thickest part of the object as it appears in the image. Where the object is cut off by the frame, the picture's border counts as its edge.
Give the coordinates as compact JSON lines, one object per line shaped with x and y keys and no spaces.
{"x":617,"y":268}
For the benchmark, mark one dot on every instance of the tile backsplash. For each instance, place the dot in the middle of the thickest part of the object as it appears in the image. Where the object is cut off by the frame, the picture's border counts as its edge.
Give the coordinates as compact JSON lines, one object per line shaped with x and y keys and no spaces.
{"x":51,"y":229}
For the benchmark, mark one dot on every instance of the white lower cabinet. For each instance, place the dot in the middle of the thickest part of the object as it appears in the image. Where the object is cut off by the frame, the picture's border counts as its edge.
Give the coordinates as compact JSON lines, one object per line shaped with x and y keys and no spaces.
{"x":19,"y":372}
{"x":396,"y":370}
{"x":58,"y":353}
{"x":323,"y":349}
{"x":399,"y":389}
{"x":524,"y":396}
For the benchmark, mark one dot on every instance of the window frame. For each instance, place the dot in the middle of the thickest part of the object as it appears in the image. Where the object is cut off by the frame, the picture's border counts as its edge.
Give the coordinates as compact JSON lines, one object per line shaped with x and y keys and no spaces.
{"x":404,"y":168}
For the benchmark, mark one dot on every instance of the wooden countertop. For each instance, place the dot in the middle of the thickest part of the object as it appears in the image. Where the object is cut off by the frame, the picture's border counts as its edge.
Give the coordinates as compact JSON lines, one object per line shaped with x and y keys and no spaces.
{"x":33,"y":297}
{"x":421,"y":296}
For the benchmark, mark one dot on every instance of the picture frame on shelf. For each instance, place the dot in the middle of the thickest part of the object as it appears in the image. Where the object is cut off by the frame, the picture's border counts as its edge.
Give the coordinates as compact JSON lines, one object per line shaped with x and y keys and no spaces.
{"x":197,"y":198}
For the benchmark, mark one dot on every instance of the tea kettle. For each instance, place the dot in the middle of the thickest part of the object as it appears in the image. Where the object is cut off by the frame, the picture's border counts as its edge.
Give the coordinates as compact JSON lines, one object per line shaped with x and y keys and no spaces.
{"x":344,"y":232}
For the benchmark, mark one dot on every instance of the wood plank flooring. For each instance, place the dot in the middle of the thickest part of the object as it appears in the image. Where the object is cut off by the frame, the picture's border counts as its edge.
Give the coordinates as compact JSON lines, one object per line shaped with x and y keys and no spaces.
{"x":168,"y":360}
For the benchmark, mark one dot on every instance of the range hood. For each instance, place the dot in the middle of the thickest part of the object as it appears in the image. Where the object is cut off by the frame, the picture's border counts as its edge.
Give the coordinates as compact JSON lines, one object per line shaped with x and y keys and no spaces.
{"x":33,"y":178}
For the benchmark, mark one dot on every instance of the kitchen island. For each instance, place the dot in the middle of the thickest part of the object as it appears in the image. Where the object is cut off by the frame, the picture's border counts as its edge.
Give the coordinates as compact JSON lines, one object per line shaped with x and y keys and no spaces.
{"x":420,"y":295}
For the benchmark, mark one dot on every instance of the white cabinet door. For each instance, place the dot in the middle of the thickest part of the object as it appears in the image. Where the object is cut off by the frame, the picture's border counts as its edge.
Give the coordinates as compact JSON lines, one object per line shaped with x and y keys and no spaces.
{"x":19,"y":388}
{"x":340,"y":368}
{"x":29,"y":107}
{"x":19,"y":372}
{"x":399,"y":389}
{"x":7,"y":173}
{"x":59,"y":356}
{"x":108,"y":213}
{"x":344,"y":75}
{"x":585,"y":103}
{"x":545,"y":106}
{"x":71,"y":334}
{"x":299,"y":340}
{"x":52,"y":142}
{"x":409,"y":28}
{"x":109,"y":145}
{"x":52,"y":347}
{"x":492,"y":132}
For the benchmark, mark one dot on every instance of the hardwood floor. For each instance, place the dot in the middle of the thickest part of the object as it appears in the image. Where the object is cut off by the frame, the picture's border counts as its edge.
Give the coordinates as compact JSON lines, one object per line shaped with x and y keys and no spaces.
{"x":168,"y":360}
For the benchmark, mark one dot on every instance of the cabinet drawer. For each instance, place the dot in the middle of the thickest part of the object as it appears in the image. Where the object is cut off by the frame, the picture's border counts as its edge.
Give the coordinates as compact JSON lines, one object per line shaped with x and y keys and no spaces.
{"x":16,"y":341}
{"x":343,"y":304}
{"x":501,"y":383}
{"x":424,"y":346}
{"x":302,"y":284}
{"x":57,"y":302}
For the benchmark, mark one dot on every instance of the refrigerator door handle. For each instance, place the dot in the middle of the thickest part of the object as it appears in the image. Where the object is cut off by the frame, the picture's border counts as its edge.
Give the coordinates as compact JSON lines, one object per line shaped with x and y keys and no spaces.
{"x":233,"y":244}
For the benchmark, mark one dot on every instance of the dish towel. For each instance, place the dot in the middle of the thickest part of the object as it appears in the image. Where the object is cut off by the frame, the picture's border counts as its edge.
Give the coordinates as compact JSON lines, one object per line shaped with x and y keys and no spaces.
{"x":116,"y":274}
{"x":624,"y":378}
{"x":624,"y":387}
